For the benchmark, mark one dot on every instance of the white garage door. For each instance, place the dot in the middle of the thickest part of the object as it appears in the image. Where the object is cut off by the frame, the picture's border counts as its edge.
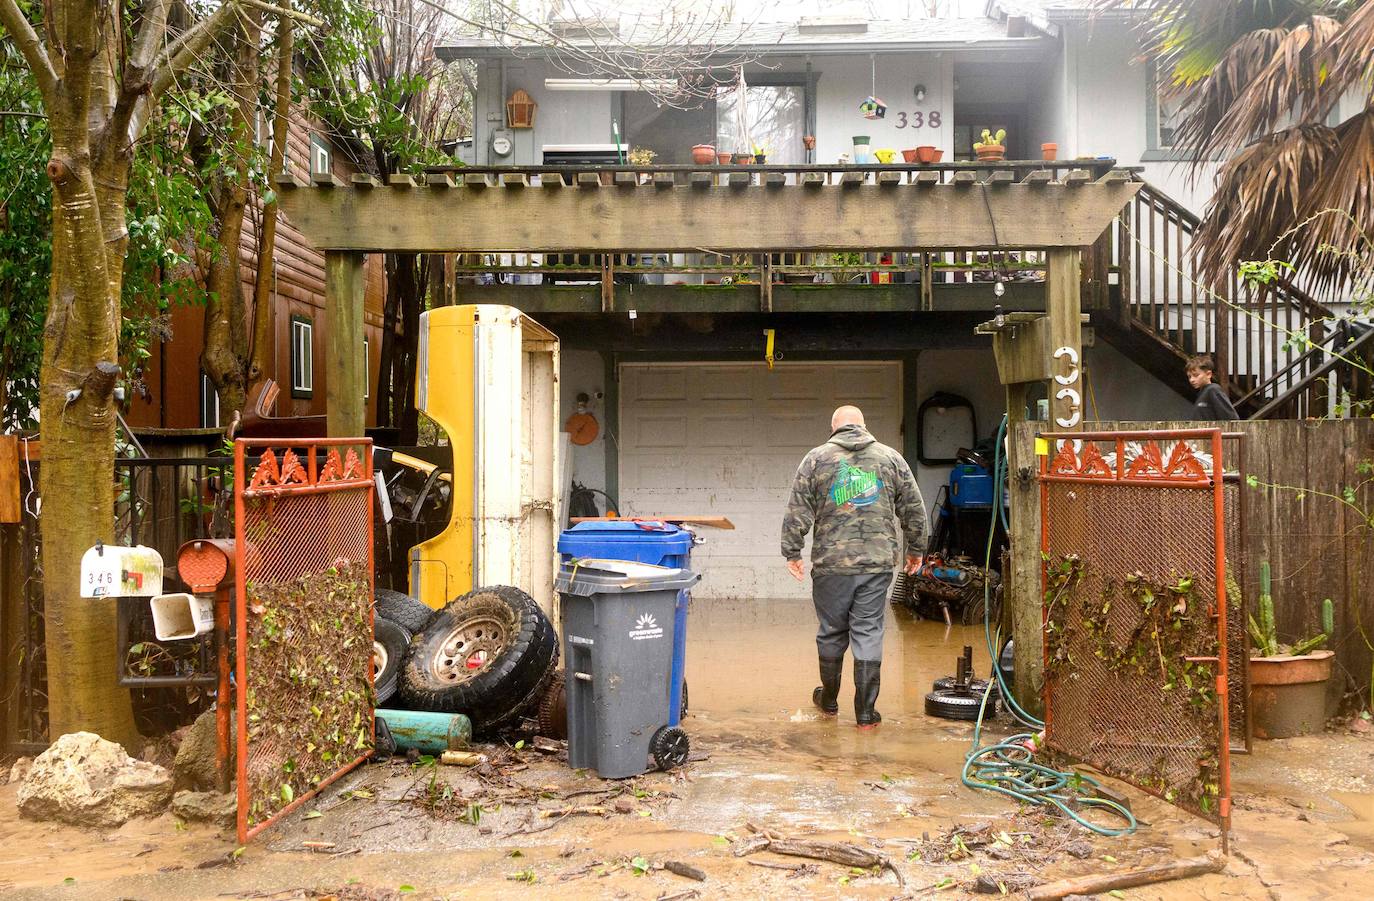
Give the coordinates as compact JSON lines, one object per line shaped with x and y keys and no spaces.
{"x":725,"y":439}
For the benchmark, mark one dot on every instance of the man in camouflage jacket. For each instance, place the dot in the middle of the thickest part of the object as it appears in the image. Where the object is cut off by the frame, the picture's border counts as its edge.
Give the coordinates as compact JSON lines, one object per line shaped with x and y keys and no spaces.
{"x":854,"y":492}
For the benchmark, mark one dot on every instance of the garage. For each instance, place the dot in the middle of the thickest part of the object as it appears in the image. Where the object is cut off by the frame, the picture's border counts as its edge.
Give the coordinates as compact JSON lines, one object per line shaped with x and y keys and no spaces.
{"x":725,"y":439}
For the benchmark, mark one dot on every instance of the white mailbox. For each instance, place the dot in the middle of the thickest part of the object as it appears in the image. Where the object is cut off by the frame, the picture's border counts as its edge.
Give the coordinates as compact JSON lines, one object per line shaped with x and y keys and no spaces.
{"x":108,"y":571}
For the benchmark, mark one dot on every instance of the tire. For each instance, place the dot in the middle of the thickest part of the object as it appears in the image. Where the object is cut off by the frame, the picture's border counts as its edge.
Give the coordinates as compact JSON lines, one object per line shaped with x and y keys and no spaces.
{"x":390,"y":642}
{"x":669,"y":747}
{"x":490,"y":654}
{"x":976,"y":687}
{"x":957,"y":705}
{"x":403,"y":610}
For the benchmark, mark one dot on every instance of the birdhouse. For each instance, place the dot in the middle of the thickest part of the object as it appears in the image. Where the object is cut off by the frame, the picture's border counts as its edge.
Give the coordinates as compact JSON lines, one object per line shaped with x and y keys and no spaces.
{"x":873,"y":108}
{"x":520,"y":110}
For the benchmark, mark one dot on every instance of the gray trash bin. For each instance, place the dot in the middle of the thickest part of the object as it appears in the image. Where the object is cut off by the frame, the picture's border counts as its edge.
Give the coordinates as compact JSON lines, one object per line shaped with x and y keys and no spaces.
{"x":618,"y":640}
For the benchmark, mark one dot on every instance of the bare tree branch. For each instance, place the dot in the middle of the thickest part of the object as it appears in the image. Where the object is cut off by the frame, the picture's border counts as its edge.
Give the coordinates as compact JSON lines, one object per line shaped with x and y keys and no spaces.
{"x":26,"y":39}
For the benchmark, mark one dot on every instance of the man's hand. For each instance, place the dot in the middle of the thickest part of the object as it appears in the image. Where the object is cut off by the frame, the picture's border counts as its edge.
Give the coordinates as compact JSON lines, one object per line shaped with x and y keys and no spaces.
{"x":798,"y":569}
{"x":913,"y":563}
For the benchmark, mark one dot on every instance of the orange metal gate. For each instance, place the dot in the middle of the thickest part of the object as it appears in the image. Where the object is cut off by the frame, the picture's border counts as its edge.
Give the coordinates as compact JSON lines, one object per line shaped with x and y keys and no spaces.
{"x":303,"y":530}
{"x":1136,"y":612}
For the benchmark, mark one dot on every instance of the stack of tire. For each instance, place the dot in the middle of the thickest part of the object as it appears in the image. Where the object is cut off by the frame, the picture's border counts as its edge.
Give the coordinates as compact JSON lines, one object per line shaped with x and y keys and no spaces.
{"x":491,"y":654}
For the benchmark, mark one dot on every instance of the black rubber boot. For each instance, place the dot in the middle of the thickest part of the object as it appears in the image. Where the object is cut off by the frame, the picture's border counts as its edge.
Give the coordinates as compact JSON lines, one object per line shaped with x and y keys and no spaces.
{"x":866,"y":682}
{"x":827,"y":694}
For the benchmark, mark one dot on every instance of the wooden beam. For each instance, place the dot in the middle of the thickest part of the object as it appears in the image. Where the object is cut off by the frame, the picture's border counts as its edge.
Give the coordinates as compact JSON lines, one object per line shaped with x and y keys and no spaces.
{"x":1063,"y":302}
{"x":728,"y":219}
{"x":345,"y":278}
{"x":1022,"y":352}
{"x":441,"y":180}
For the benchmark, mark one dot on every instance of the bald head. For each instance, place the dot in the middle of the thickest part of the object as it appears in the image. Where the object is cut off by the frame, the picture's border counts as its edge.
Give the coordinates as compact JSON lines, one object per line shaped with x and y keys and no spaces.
{"x":846,"y":416}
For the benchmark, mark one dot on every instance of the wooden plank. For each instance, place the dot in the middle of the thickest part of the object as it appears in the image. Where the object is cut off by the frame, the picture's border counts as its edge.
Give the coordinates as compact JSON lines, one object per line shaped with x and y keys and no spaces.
{"x":889,"y":179}
{"x":1064,"y":305}
{"x":852,"y":179}
{"x":738,"y":179}
{"x":1023,"y":592}
{"x":1078,"y":177}
{"x":927,"y":178}
{"x":965,"y":179}
{"x":774,"y":179}
{"x":553,"y":180}
{"x":664,"y":180}
{"x":1022,"y":352}
{"x":404,"y":180}
{"x":345,"y":281}
{"x":1039,"y":177}
{"x":476,"y":180}
{"x":514,"y":180}
{"x":441,"y":180}
{"x":363,"y":180}
{"x":325,"y":180}
{"x":812,"y":179}
{"x":625,"y":180}
{"x":1001,"y":178}
{"x":9,"y":479}
{"x":790,"y":217}
{"x":701,"y":180}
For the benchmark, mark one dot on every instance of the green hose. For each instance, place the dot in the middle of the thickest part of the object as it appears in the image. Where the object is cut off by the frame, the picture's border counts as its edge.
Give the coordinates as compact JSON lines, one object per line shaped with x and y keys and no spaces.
{"x":1008,"y":767}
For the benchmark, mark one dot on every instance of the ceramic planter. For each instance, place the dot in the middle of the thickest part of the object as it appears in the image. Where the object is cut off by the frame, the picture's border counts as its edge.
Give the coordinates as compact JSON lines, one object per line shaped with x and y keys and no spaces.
{"x":1049,"y":151}
{"x":1288,"y":694}
{"x":723,"y":158}
{"x":909,"y":156}
{"x":990,"y":153}
{"x":703,"y":154}
{"x":743,"y":159}
{"x":861,"y":145}
{"x":926,"y":153}
{"x":760,"y":158}
{"x":937,"y":155}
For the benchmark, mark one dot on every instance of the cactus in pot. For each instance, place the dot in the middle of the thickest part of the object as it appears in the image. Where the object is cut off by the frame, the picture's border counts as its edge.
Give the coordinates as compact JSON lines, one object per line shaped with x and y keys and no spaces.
{"x":1263,"y":631}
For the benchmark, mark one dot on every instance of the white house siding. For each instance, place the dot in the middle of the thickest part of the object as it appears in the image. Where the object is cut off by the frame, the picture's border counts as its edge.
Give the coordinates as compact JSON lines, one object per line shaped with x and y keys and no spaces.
{"x":562,"y":117}
{"x":844,"y":82}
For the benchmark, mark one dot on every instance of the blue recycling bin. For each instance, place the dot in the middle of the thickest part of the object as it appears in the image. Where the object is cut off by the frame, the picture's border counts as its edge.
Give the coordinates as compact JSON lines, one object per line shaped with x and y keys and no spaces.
{"x":659,"y":543}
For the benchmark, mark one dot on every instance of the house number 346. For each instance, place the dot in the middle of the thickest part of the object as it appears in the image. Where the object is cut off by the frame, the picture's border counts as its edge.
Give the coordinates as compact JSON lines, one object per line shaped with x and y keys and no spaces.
{"x":918,"y":119}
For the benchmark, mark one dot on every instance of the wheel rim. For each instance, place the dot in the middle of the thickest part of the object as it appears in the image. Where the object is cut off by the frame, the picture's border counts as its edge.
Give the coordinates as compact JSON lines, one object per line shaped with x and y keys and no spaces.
{"x":470,"y":649}
{"x":380,"y":658}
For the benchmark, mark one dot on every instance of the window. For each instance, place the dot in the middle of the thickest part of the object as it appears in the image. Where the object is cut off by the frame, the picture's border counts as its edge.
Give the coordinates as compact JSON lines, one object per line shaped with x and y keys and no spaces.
{"x":209,"y":403}
{"x":367,"y":369}
{"x":321,"y":160}
{"x":262,"y":135}
{"x":302,"y":357}
{"x":1163,"y":113}
{"x":772,"y":118}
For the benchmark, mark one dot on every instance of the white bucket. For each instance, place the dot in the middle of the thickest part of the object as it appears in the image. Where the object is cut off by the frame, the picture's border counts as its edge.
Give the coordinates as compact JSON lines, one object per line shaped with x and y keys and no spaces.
{"x":179,"y":616}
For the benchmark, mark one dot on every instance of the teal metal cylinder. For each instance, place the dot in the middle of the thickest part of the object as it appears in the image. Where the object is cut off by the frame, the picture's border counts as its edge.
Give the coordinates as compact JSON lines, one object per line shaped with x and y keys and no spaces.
{"x":428,"y":733}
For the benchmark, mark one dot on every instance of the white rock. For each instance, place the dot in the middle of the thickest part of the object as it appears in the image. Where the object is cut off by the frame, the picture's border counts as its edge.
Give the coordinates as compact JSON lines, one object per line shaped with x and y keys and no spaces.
{"x":84,"y":780}
{"x":20,"y":771}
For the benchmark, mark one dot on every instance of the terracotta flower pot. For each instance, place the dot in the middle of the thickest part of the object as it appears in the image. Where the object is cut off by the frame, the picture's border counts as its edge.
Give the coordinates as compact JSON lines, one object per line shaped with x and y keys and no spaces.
{"x":723,"y":159}
{"x":990,"y":153}
{"x":1049,"y":151}
{"x":743,"y":159}
{"x":703,"y":154}
{"x":909,"y":156}
{"x":926,"y":154}
{"x":1288,"y":694}
{"x":937,"y":156}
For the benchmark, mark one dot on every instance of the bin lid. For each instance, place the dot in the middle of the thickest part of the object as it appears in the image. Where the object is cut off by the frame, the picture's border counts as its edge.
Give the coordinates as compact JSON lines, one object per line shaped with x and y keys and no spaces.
{"x":625,"y":526}
{"x":591,"y":576}
{"x":587,"y":537}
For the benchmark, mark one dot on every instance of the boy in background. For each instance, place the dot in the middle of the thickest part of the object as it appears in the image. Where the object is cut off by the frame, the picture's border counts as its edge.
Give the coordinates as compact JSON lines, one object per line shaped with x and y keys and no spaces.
{"x":1212,"y":403}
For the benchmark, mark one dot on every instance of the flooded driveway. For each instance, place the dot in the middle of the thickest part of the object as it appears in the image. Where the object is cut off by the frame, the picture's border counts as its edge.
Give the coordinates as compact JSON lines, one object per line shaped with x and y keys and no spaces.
{"x":529,"y":826}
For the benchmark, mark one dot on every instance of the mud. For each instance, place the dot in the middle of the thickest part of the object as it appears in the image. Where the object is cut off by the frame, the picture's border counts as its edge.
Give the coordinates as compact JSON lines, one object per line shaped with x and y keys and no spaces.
{"x":1304,"y":811}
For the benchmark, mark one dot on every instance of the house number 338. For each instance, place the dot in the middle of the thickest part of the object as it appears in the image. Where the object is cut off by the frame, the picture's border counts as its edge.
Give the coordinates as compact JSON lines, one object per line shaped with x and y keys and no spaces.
{"x":918,"y":119}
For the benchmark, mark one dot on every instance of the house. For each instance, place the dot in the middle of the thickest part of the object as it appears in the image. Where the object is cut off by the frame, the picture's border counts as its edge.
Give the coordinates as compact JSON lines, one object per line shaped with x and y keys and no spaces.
{"x":177,"y":394}
{"x":713,"y":373}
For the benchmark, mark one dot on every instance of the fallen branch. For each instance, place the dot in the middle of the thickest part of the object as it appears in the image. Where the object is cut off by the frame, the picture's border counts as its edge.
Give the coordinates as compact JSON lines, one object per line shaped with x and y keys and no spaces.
{"x":679,"y":896}
{"x":1101,"y":883}
{"x":833,"y":852}
{"x":751,"y":845}
{"x":685,"y":869}
{"x":789,"y":867}
{"x":595,"y":810}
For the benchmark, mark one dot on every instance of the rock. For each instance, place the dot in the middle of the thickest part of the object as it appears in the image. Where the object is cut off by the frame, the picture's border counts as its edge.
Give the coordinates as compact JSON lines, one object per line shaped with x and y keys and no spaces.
{"x":20,"y":771}
{"x":1080,"y":849}
{"x":85,"y":780}
{"x":197,"y":762}
{"x":209,"y":807}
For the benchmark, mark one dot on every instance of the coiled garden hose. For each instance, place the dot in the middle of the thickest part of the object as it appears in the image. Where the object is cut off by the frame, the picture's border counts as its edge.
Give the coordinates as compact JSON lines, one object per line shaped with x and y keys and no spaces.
{"x":1008,"y":767}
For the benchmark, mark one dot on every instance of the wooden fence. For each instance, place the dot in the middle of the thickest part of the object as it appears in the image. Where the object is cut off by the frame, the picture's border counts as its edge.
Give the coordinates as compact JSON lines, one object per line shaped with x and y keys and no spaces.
{"x":1317,"y":544}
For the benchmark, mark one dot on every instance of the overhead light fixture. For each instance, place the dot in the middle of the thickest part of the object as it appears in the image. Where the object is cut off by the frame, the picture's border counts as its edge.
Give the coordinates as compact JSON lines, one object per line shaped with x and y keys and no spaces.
{"x":920,"y":93}
{"x":654,"y":85}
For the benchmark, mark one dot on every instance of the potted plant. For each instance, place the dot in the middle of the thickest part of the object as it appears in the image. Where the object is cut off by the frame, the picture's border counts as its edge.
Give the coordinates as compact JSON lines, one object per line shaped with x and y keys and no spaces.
{"x":704,"y":154}
{"x":1049,"y":151}
{"x":760,"y":154}
{"x":991,"y":149}
{"x":1287,"y":682}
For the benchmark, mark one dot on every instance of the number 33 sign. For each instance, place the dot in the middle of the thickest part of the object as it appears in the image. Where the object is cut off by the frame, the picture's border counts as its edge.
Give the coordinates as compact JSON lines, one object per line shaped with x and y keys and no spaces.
{"x":918,"y":119}
{"x":1068,"y":388}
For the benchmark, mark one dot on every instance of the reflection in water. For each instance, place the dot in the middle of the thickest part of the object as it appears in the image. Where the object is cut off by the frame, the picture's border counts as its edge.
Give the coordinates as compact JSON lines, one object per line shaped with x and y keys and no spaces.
{"x":758,"y":658}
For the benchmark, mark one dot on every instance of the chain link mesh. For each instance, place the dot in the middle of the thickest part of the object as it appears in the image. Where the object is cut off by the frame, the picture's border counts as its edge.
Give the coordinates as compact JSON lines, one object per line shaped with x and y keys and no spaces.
{"x":304,"y":622}
{"x":1130,"y":608}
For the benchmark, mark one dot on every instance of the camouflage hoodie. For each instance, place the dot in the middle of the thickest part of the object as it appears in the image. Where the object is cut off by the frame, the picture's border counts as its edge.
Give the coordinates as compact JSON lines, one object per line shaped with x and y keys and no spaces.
{"x":853,"y":490}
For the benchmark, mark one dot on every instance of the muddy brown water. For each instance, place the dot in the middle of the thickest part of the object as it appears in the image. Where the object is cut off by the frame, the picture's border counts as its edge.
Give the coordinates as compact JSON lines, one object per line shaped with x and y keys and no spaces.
{"x":1303,"y":818}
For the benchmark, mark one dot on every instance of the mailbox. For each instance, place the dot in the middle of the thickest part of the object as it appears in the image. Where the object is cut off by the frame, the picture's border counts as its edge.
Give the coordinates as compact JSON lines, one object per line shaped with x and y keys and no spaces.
{"x":110,"y":571}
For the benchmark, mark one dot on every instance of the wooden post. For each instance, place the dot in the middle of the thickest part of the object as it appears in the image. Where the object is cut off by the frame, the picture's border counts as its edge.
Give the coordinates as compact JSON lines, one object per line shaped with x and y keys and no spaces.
{"x":1063,"y":302}
{"x":1021,"y":608}
{"x":344,"y":281}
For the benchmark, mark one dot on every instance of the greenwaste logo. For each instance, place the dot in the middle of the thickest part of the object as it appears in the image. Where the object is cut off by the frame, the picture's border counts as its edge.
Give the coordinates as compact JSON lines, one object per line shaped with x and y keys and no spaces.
{"x":855,"y":486}
{"x":646,"y":627}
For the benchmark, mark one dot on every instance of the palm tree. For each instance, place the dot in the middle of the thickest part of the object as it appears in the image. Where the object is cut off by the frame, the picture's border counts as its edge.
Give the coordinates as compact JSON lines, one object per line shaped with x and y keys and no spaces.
{"x":1267,"y":86}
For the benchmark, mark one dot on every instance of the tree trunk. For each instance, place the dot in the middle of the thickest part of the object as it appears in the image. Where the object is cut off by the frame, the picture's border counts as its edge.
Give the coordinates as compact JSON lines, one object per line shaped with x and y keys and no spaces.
{"x":264,"y":297}
{"x":224,"y":358}
{"x":77,"y":475}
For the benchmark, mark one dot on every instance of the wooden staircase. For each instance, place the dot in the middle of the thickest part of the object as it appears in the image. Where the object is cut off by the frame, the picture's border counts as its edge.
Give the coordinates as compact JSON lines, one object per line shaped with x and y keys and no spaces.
{"x":1279,"y":352}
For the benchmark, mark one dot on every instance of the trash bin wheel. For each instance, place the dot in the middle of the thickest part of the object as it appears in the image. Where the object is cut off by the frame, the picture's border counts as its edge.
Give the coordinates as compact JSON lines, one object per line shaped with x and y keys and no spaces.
{"x":952,"y":704}
{"x":553,"y":709}
{"x":389,"y":644}
{"x":669,"y":747}
{"x":405,"y":611}
{"x":490,"y":654}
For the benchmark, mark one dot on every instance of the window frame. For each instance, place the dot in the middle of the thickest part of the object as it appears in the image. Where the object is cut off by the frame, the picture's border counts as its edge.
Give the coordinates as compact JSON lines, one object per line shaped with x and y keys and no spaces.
{"x":319,"y":146}
{"x":806,"y":82}
{"x":1155,"y":150}
{"x":302,"y":364}
{"x":367,"y":369}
